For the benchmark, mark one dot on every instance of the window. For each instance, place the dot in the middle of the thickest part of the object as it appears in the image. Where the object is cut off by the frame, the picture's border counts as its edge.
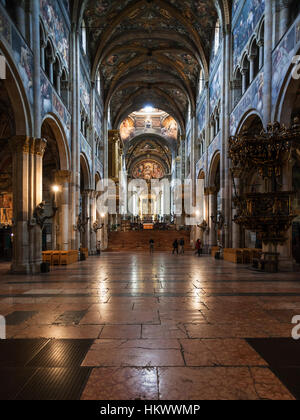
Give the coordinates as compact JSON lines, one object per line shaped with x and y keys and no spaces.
{"x":98,"y":83}
{"x":83,"y":37}
{"x":201,"y":81}
{"x":217,"y":36}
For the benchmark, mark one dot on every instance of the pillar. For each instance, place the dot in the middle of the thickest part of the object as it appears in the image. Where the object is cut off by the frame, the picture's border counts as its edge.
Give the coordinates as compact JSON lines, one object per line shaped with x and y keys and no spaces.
{"x":212,"y":213}
{"x":93,"y":212}
{"x":236,"y":232}
{"x":27,"y":154}
{"x":86,"y":218}
{"x":267,"y":92}
{"x":63,"y":179}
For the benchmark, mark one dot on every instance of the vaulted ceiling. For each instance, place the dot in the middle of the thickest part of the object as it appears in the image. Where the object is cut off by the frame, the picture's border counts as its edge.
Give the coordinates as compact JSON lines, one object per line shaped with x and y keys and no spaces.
{"x":150,"y":50}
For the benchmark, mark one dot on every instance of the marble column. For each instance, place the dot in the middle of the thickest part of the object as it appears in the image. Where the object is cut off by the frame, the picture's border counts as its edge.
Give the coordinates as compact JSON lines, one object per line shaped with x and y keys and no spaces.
{"x":236,"y":231}
{"x":267,"y":91}
{"x":75,"y":136}
{"x":63,"y":179}
{"x":93,"y":212}
{"x":86,"y":218}
{"x":212,"y":213}
{"x":261,"y":52}
{"x":27,"y":154}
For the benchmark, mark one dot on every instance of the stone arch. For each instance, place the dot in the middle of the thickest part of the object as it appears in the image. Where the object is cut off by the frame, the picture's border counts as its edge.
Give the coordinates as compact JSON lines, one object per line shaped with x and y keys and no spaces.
{"x":288,"y":97}
{"x":85,"y":172}
{"x":17,"y":95}
{"x":61,"y":139}
{"x":248,"y":121}
{"x":215,"y":163}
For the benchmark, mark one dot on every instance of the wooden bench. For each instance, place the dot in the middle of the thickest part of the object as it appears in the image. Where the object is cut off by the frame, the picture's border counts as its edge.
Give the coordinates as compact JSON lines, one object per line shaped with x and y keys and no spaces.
{"x":60,"y":257}
{"x":233,"y":255}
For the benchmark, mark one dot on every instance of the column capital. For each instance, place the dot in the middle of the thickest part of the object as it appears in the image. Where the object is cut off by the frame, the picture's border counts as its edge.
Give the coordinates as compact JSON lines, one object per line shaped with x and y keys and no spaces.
{"x":113,"y":136}
{"x":25,"y":144}
{"x":39,"y":147}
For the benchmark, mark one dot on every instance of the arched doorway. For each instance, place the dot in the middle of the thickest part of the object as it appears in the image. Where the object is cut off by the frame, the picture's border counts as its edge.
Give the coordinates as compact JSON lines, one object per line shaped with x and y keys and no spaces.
{"x":84,"y":203}
{"x":246,"y":182}
{"x":56,"y":179}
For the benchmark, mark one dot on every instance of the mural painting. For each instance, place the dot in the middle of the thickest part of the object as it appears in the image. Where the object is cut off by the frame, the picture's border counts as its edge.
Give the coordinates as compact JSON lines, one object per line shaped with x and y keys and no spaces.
{"x":6,"y":209}
{"x":169,"y":128}
{"x":215,"y":89}
{"x":282,"y":59}
{"x":246,"y":24}
{"x":23,"y":58}
{"x":148,"y":169}
{"x":127,"y":129}
{"x":56,"y":26}
{"x":5,"y":28}
{"x":201,"y":116}
{"x":85,"y":92}
{"x":46,"y":92}
{"x":253,"y":99}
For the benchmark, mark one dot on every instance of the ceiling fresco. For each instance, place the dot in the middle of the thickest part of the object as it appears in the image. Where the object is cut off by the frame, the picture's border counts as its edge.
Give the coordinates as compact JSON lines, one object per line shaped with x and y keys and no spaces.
{"x":150,"y":50}
{"x":157,"y":122}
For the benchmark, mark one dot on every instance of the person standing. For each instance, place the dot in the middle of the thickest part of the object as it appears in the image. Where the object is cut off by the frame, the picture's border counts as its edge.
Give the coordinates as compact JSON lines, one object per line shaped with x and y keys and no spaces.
{"x":151,"y":243}
{"x":175,"y":247}
{"x":199,"y":247}
{"x":181,"y":244}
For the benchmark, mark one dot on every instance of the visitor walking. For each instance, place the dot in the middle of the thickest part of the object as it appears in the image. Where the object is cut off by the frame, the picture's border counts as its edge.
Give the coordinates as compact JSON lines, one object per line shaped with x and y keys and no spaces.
{"x":99,"y":248}
{"x":181,"y":245}
{"x":175,"y":247}
{"x":151,"y":243}
{"x":198,"y":247}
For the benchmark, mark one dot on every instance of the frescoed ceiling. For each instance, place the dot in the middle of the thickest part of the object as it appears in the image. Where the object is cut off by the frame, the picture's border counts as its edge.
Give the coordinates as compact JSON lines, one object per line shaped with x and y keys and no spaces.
{"x":150,"y":50}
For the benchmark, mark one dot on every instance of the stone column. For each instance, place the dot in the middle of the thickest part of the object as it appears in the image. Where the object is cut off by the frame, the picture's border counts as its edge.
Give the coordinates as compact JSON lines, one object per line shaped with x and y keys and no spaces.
{"x":267,"y":93}
{"x":37,"y":186}
{"x":212,"y":213}
{"x":236,"y":232}
{"x":20,"y":155}
{"x":63,"y":179}
{"x":27,"y":154}
{"x":252,"y":67}
{"x":86,"y":217}
{"x":261,"y":53}
{"x":244,"y":80}
{"x":93,"y":212}
{"x":75,"y":148}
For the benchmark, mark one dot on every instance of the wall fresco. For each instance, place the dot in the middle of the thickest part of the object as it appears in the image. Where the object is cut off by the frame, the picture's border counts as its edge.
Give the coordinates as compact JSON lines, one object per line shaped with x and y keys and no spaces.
{"x":215,"y":89}
{"x":56,"y":26}
{"x":253,"y":99}
{"x":85,"y":92}
{"x":282,"y":59}
{"x":6,"y":209}
{"x":148,"y":169}
{"x":245,"y":26}
{"x":201,"y":116}
{"x":5,"y":28}
{"x":98,"y":120}
{"x":86,"y":149}
{"x":24,"y":59}
{"x":50,"y":102}
{"x":169,"y":128}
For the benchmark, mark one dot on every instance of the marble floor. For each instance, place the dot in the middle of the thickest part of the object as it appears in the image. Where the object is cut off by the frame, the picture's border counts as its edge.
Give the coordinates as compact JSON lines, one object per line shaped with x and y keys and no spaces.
{"x":160,"y":327}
